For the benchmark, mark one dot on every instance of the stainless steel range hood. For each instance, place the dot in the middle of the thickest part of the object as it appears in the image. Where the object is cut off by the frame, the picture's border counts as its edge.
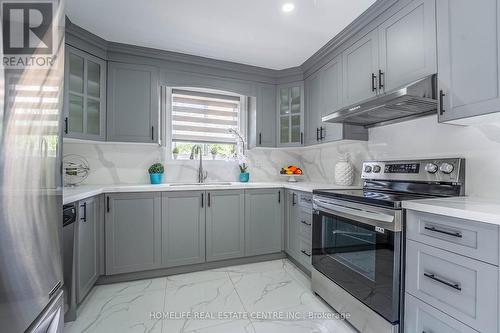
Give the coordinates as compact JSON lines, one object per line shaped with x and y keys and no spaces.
{"x":414,"y":100}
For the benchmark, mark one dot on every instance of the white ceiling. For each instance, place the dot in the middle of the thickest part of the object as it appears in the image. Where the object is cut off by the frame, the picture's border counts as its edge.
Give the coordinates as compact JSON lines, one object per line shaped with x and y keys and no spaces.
{"x":254,"y":32}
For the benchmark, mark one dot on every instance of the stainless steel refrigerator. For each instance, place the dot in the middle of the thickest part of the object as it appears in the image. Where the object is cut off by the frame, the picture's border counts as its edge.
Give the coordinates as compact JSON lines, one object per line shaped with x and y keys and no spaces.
{"x":31,"y":297}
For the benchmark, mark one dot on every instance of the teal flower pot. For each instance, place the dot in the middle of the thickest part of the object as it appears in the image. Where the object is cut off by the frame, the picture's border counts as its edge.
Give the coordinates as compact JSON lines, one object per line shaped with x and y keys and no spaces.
{"x":244,"y":177}
{"x":156,"y":178}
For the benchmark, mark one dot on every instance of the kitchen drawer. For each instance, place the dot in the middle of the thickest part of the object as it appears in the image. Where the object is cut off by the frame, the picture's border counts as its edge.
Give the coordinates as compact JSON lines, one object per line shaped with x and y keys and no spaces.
{"x":305,"y":200}
{"x":471,"y":239}
{"x":464,"y":288}
{"x":305,"y":224}
{"x":421,"y":317}
{"x":305,"y":250}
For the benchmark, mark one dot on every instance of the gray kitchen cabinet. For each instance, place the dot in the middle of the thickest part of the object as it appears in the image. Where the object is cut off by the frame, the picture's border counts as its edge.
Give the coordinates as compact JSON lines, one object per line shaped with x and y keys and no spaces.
{"x":468,"y":58}
{"x":360,"y":64}
{"x":87,"y":247}
{"x":312,"y":87}
{"x":133,"y":232}
{"x":292,"y":247}
{"x":225,"y":224}
{"x":263,"y":221}
{"x":266,"y":116}
{"x":85,"y":96}
{"x":183,"y":228}
{"x":407,"y":45}
{"x":133,"y":103}
{"x":290,"y":105}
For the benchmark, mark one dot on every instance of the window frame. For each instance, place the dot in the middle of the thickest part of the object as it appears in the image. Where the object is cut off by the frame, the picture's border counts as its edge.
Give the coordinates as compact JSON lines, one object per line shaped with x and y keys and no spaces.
{"x":167,"y":104}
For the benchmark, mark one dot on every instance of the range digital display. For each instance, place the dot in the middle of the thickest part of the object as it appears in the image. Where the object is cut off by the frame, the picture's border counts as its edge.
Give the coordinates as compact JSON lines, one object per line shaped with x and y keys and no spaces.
{"x":402,"y":168}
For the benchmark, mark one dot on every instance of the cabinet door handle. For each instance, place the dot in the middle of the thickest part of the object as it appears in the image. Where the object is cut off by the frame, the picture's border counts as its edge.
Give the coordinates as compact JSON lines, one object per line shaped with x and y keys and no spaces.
{"x":152,"y":133}
{"x":66,"y":125}
{"x":305,"y":252}
{"x":304,"y":222}
{"x":279,"y":196}
{"x":317,"y":134}
{"x":301,"y":138}
{"x":374,"y":82}
{"x":107,"y":204}
{"x":441,"y":102}
{"x":84,"y":218}
{"x":449,"y":233}
{"x":446,"y":283}
{"x":321,"y":129}
{"x":209,"y":199}
{"x":381,"y":76}
{"x":260,"y":139}
{"x":293,"y":199}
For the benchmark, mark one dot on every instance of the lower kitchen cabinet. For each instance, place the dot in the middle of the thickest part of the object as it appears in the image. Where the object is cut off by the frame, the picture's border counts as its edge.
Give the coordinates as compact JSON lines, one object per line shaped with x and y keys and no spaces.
{"x":299,"y":227}
{"x":87,"y":247}
{"x":133,"y":237}
{"x":291,"y":227}
{"x":225,"y":224}
{"x":183,"y":228}
{"x":263,"y":221}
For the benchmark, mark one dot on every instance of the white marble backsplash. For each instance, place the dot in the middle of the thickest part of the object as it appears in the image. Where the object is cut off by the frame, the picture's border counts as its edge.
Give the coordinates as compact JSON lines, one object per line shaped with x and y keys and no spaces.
{"x":421,"y":138}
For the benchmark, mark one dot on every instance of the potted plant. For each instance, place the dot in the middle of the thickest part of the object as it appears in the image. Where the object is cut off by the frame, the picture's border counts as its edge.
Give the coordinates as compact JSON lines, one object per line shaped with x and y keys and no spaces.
{"x":244,"y":175}
{"x":156,"y":173}
{"x":214,"y":150}
{"x":175,"y":152}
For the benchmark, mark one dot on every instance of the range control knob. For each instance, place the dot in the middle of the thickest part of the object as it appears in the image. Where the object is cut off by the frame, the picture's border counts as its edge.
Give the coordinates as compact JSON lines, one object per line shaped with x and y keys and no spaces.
{"x":376,"y":168}
{"x":431,"y":168}
{"x":368,"y":169}
{"x":446,"y":168}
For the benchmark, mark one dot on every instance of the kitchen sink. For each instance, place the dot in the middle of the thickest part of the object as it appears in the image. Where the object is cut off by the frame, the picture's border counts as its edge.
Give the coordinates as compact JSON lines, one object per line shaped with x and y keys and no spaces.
{"x":201,"y":184}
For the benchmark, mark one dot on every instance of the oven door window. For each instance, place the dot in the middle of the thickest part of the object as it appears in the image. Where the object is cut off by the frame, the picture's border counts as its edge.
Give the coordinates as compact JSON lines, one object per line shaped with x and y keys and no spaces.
{"x":361,"y":260}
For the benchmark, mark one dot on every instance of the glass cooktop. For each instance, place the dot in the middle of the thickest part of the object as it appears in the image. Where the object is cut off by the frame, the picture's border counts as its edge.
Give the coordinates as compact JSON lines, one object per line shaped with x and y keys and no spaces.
{"x":378,"y":198}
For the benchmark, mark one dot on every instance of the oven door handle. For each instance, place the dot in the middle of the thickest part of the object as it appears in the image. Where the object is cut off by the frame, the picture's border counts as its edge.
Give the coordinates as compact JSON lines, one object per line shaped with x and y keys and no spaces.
{"x":354,"y":213}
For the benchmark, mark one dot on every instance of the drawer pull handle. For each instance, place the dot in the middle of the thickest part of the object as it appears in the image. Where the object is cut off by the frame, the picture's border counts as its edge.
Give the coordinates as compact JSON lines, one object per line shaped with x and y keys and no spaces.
{"x":304,"y":252}
{"x":449,"y":284}
{"x":449,"y":233}
{"x":304,"y":222}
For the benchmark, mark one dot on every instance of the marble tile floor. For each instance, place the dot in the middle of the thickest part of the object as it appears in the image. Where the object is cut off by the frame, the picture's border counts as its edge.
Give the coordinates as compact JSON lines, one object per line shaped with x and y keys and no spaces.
{"x":267,"y":297}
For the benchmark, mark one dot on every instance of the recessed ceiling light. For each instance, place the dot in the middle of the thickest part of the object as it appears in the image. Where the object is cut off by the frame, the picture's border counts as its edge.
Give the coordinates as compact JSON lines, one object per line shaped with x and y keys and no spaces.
{"x":288,"y":7}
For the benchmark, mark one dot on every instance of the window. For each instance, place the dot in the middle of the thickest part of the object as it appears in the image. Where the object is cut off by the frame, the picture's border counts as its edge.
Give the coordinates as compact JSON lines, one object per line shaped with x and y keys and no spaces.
{"x":205,"y":118}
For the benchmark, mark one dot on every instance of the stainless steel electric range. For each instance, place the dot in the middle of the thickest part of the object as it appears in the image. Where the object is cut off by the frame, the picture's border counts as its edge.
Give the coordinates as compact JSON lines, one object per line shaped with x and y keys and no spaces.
{"x":358,"y":250}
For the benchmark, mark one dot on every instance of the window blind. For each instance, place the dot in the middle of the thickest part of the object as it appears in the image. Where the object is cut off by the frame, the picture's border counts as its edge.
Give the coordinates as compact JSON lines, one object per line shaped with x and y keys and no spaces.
{"x":204,"y":117}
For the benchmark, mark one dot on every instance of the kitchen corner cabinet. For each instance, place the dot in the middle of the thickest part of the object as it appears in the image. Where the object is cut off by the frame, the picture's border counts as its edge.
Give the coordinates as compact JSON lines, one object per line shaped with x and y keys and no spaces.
{"x":87,"y":247}
{"x":133,"y":110}
{"x":133,"y":232}
{"x":183,"y":228}
{"x":323,"y":95}
{"x":263,"y":221}
{"x":290,"y":105}
{"x":225,"y":224}
{"x":84,"y":96}
{"x":468,"y":58}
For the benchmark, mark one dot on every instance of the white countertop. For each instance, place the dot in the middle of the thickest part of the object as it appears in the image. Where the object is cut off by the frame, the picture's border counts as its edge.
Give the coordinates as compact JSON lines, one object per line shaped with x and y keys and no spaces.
{"x":470,"y":208}
{"x":72,"y":194}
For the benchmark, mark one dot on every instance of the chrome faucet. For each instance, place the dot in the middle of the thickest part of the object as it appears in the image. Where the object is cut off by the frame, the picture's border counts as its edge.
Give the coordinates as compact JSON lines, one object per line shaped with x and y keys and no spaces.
{"x":202,"y":175}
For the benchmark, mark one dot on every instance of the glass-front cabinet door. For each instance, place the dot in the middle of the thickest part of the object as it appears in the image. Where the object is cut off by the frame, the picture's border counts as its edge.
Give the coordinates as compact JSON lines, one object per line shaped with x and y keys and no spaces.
{"x":291,"y":114}
{"x":85,"y":95}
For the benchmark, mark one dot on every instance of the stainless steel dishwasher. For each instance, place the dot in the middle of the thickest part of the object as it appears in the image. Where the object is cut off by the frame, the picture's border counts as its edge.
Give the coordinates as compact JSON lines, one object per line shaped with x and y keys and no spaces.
{"x":69,"y":224}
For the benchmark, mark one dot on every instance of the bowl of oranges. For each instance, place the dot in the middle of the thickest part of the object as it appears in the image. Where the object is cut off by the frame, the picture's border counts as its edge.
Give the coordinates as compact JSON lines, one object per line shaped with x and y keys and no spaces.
{"x":292,"y":172}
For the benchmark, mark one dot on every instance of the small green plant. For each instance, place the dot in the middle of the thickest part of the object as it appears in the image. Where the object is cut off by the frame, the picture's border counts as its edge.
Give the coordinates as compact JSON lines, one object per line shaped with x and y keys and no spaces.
{"x":156,"y":168}
{"x":243,"y":167}
{"x":214,"y":150}
{"x":175,"y":150}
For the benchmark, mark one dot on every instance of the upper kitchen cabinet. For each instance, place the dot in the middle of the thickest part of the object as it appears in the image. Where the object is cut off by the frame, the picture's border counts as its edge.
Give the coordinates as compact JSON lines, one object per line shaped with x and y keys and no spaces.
{"x":85,"y":96}
{"x":290,"y":114}
{"x":360,"y":65}
{"x":407,"y":43}
{"x":323,"y":92}
{"x":266,"y":116}
{"x":133,"y":103}
{"x":468,"y":58}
